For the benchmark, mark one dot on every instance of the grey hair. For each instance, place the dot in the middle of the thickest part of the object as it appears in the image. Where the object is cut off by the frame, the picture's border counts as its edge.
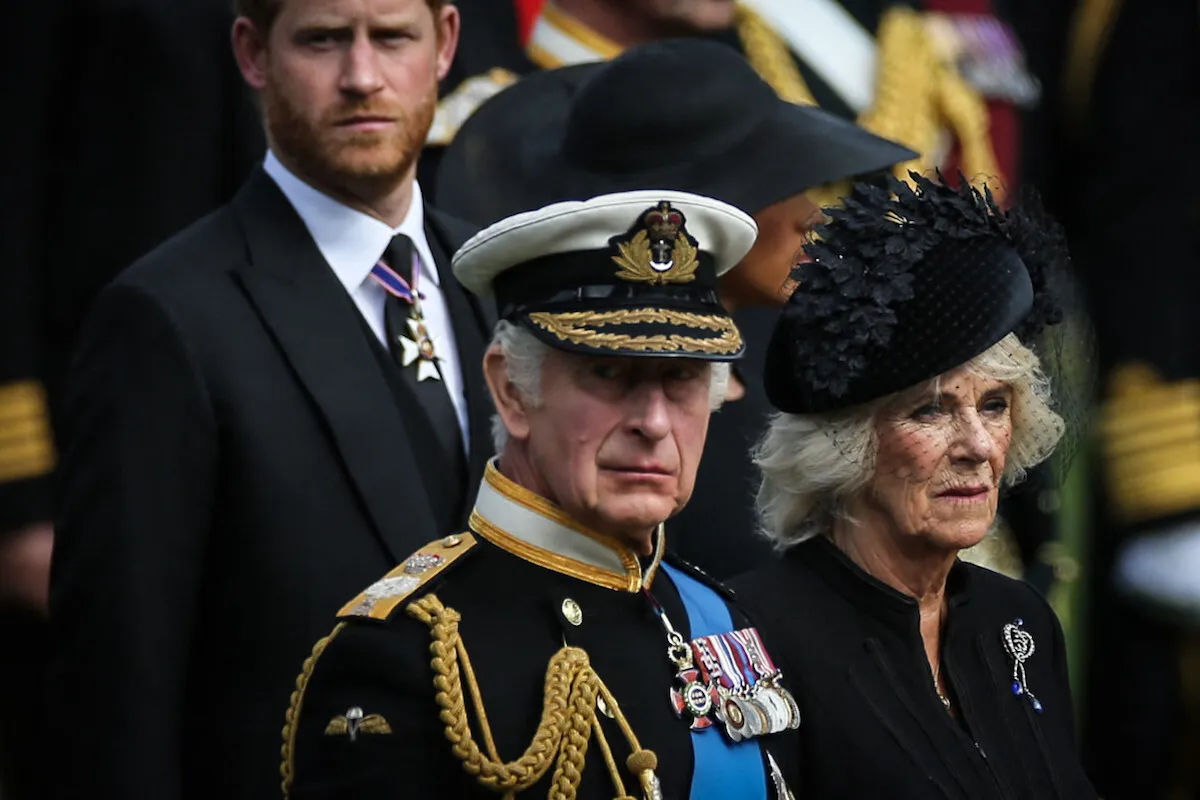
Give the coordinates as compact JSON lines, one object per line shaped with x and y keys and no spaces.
{"x":812,"y":464}
{"x":524,"y":355}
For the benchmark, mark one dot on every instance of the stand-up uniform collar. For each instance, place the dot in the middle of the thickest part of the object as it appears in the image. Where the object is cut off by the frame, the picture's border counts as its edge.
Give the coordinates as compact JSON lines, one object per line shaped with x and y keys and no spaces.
{"x":531,"y":527}
{"x":866,"y":591}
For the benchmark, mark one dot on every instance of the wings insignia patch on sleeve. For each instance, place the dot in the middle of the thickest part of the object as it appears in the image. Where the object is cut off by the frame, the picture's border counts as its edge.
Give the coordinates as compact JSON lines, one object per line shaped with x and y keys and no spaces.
{"x":354,"y":722}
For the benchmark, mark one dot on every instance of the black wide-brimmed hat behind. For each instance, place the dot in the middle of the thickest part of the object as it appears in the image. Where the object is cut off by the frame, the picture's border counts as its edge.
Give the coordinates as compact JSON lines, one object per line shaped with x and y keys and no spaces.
{"x":682,"y":114}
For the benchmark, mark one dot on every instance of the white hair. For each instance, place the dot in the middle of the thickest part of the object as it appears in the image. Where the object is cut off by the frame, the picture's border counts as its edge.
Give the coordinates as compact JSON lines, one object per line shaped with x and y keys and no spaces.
{"x":524,"y":355}
{"x":812,"y":464}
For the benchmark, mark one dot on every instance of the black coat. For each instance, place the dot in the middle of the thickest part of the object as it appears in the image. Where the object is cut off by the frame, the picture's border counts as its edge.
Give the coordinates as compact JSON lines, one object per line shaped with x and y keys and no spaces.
{"x":235,"y":465}
{"x":873,"y":725}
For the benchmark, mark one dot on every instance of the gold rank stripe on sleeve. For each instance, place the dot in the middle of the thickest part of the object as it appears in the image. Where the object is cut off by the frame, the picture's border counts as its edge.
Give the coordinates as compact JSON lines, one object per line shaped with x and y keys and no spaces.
{"x":26,"y":446}
{"x":381,"y":598}
{"x":1150,"y":433}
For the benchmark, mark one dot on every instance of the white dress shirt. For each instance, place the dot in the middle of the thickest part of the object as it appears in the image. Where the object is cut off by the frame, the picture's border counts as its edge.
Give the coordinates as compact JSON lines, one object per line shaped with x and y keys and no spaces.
{"x":353,"y":242}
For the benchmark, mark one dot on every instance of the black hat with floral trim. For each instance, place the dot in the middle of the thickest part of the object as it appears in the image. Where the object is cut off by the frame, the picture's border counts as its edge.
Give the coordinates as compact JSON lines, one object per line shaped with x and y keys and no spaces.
{"x":907,"y":282}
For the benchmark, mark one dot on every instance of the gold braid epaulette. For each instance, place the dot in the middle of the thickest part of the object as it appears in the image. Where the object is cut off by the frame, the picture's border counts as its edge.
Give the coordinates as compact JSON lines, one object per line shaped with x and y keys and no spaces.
{"x":917,"y":96}
{"x":26,"y":443}
{"x":563,"y":734}
{"x":292,"y":718}
{"x":1150,"y":439}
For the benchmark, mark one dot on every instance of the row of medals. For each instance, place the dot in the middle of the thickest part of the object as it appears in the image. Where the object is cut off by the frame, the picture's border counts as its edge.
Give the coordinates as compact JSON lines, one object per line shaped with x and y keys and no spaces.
{"x":757,"y":710}
{"x":761,"y":708}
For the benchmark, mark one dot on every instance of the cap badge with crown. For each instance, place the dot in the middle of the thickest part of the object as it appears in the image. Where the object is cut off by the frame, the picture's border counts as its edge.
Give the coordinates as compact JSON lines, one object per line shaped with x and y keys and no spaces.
{"x":658,"y":249}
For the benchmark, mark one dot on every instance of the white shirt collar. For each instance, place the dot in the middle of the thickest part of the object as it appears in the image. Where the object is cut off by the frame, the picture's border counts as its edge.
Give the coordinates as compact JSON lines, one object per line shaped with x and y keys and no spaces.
{"x":351,"y":242}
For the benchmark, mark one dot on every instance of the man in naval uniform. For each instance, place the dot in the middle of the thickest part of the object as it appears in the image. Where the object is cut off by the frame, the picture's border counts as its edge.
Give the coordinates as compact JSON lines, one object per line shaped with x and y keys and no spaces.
{"x":554,"y":646}
{"x":579,"y":131}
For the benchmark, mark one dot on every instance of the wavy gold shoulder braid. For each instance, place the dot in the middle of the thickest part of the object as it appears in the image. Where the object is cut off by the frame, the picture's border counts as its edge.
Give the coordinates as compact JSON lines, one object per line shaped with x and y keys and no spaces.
{"x":917,"y":96}
{"x":567,"y":724}
{"x":770,"y":57}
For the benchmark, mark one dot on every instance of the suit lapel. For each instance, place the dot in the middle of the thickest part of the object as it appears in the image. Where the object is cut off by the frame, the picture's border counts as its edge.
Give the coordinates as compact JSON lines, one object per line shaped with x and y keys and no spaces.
{"x":472,"y":332}
{"x":317,"y":326}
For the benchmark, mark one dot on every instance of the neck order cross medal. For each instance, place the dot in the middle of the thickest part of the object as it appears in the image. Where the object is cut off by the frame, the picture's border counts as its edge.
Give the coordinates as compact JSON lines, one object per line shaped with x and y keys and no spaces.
{"x":417,"y":347}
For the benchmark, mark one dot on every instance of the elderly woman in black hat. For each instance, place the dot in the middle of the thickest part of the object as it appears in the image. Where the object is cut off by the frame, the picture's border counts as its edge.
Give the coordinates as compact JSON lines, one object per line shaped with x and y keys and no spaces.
{"x":910,"y":390}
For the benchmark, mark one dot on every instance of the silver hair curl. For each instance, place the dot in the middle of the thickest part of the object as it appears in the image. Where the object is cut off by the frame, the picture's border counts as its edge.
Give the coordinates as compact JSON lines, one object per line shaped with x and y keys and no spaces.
{"x":812,"y":464}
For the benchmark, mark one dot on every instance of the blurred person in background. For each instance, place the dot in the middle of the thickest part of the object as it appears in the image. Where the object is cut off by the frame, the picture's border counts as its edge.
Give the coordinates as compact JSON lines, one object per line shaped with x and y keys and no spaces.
{"x":1127,"y":195}
{"x":133,"y":122}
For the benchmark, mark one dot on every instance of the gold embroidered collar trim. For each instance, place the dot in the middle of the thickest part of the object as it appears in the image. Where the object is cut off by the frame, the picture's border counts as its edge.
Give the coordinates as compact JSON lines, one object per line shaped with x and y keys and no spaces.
{"x":532,"y":528}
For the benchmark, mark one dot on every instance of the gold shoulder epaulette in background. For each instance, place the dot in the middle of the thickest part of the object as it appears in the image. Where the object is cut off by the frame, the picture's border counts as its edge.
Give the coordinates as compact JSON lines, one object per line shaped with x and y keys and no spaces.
{"x":771,"y":59}
{"x":26,"y":446}
{"x":1150,"y":438}
{"x":381,"y":598}
{"x":455,"y":108}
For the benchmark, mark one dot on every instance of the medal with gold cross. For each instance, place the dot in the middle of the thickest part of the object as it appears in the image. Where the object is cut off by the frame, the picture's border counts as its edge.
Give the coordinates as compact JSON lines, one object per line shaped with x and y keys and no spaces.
{"x":416,"y":348}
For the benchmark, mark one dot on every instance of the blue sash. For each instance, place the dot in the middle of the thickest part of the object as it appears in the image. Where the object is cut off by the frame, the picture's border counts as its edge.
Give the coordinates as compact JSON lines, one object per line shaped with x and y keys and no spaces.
{"x":721,"y":769}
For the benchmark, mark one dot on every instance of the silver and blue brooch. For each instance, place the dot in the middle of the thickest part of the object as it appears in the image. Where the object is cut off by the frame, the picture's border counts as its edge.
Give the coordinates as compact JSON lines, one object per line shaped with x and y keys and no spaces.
{"x":1019,"y":645}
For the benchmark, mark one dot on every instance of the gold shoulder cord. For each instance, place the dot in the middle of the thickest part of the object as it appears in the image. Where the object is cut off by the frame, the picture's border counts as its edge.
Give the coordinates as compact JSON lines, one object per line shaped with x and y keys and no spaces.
{"x":1091,"y":29}
{"x":916,"y":95}
{"x":771,"y":58}
{"x":563,"y":734}
{"x":294,"y":706}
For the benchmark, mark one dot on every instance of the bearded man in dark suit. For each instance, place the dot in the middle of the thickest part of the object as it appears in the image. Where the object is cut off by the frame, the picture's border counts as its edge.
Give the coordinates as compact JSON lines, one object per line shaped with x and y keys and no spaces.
{"x":264,"y":413}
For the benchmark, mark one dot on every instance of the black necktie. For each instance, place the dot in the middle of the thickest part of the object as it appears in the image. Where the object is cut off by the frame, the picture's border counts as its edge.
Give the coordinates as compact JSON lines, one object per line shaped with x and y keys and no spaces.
{"x":404,"y":322}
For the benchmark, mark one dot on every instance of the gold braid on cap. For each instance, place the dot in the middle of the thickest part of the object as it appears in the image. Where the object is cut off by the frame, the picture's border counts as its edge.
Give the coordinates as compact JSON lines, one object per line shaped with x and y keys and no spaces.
{"x":568,"y":717}
{"x":580,"y":327}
